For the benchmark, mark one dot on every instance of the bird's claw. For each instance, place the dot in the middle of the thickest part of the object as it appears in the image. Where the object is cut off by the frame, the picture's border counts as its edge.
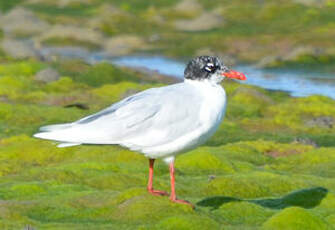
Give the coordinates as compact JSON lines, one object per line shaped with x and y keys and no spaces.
{"x":158,"y":192}
{"x":182,"y":202}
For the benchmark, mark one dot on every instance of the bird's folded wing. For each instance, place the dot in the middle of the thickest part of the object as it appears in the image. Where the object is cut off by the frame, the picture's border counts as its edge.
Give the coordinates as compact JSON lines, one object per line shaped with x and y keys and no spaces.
{"x":146,"y":119}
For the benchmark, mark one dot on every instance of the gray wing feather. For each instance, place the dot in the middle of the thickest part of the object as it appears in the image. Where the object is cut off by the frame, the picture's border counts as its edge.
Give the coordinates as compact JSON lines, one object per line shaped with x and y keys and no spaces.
{"x":144,"y":119}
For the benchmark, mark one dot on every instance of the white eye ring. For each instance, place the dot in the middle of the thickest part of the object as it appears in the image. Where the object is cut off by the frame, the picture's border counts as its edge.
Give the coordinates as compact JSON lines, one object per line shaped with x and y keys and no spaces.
{"x":208,"y":69}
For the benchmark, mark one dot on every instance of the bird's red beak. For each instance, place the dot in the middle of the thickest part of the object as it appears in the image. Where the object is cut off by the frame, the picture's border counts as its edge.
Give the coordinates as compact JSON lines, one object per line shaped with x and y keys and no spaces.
{"x":235,"y":75}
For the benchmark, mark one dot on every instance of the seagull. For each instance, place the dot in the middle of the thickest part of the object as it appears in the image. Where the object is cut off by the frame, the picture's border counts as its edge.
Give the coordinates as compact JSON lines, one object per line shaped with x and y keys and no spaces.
{"x":158,"y":122}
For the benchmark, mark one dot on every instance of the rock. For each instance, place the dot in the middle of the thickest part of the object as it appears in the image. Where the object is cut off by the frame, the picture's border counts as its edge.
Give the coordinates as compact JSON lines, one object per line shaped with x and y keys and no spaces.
{"x":206,"y":21}
{"x":322,"y":122}
{"x":47,"y":75}
{"x":188,"y":7}
{"x":20,"y":21}
{"x":19,"y":49}
{"x":74,"y":33}
{"x":124,"y":44}
{"x":294,"y":218}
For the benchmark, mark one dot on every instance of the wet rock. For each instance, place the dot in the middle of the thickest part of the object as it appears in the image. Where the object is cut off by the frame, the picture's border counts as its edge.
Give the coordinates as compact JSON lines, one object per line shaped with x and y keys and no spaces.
{"x":22,"y":22}
{"x":322,"y":122}
{"x":73,"y":33}
{"x":124,"y":44}
{"x":206,"y":21}
{"x":19,"y":49}
{"x":47,"y":75}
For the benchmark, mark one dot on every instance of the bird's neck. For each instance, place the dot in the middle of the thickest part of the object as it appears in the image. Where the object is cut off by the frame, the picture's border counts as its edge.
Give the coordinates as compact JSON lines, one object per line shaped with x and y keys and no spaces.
{"x":203,"y":83}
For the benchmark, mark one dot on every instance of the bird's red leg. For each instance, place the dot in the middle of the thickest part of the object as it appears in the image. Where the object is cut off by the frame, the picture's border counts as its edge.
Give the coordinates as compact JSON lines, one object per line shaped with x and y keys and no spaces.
{"x":173,"y":197}
{"x":150,"y":186}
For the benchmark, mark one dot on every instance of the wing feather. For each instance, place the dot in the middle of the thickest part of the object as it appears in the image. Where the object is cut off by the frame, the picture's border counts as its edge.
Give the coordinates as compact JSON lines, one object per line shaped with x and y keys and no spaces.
{"x":149,"y":118}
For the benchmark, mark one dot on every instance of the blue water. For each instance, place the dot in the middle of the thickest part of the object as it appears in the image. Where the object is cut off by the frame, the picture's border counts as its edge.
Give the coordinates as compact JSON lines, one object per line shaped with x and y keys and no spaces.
{"x":297,"y":83}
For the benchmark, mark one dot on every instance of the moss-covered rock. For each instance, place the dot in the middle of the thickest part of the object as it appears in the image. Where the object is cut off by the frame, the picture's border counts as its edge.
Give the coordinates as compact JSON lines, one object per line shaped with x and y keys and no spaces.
{"x":201,"y":161}
{"x":187,"y":222}
{"x":295,"y":218}
{"x":241,"y":212}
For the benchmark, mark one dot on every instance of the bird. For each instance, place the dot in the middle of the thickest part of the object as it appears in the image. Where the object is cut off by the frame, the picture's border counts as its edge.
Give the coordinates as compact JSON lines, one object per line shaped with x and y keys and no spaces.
{"x":158,"y":122}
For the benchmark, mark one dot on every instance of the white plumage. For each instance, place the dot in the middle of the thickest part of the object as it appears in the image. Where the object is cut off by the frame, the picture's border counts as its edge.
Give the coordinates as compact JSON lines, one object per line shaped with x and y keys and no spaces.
{"x":158,"y":122}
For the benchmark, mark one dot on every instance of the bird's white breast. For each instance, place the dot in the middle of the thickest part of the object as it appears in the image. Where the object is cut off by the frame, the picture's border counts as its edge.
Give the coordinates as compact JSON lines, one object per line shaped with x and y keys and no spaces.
{"x":212,"y":109}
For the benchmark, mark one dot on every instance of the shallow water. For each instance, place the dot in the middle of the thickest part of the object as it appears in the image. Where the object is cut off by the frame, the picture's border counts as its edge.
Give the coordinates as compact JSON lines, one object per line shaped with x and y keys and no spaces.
{"x":297,"y":83}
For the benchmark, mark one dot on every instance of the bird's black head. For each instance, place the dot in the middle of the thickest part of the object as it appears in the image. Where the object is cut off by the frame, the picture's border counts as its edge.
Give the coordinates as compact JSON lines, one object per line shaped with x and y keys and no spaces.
{"x":204,"y":67}
{"x":209,"y":68}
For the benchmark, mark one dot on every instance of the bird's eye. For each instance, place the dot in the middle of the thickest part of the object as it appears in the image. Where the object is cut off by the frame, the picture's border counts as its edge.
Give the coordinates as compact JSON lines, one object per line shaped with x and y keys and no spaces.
{"x":210,"y":67}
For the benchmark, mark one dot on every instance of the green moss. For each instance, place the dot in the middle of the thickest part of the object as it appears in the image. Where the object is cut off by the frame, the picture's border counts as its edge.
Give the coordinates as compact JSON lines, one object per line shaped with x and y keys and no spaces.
{"x":253,"y":185}
{"x":316,"y":162}
{"x":20,"y":152}
{"x":114,"y":92}
{"x":295,"y":111}
{"x":240,"y":212}
{"x":64,"y":85}
{"x":202,"y":160}
{"x":295,"y":218}
{"x":18,"y":118}
{"x":187,"y":222}
{"x":247,"y":102}
{"x":7,"y":5}
{"x":10,"y":87}
{"x":115,"y":181}
{"x":147,"y":209}
{"x":103,"y":73}
{"x":20,"y":68}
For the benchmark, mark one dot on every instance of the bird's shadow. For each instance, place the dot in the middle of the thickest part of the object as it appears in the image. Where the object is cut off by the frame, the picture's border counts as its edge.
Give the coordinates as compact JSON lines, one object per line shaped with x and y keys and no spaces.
{"x":305,"y":198}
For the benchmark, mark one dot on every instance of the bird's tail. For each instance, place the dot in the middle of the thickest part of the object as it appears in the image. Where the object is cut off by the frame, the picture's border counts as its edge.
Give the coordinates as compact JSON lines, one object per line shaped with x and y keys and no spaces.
{"x":50,"y":128}
{"x":48,"y":132}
